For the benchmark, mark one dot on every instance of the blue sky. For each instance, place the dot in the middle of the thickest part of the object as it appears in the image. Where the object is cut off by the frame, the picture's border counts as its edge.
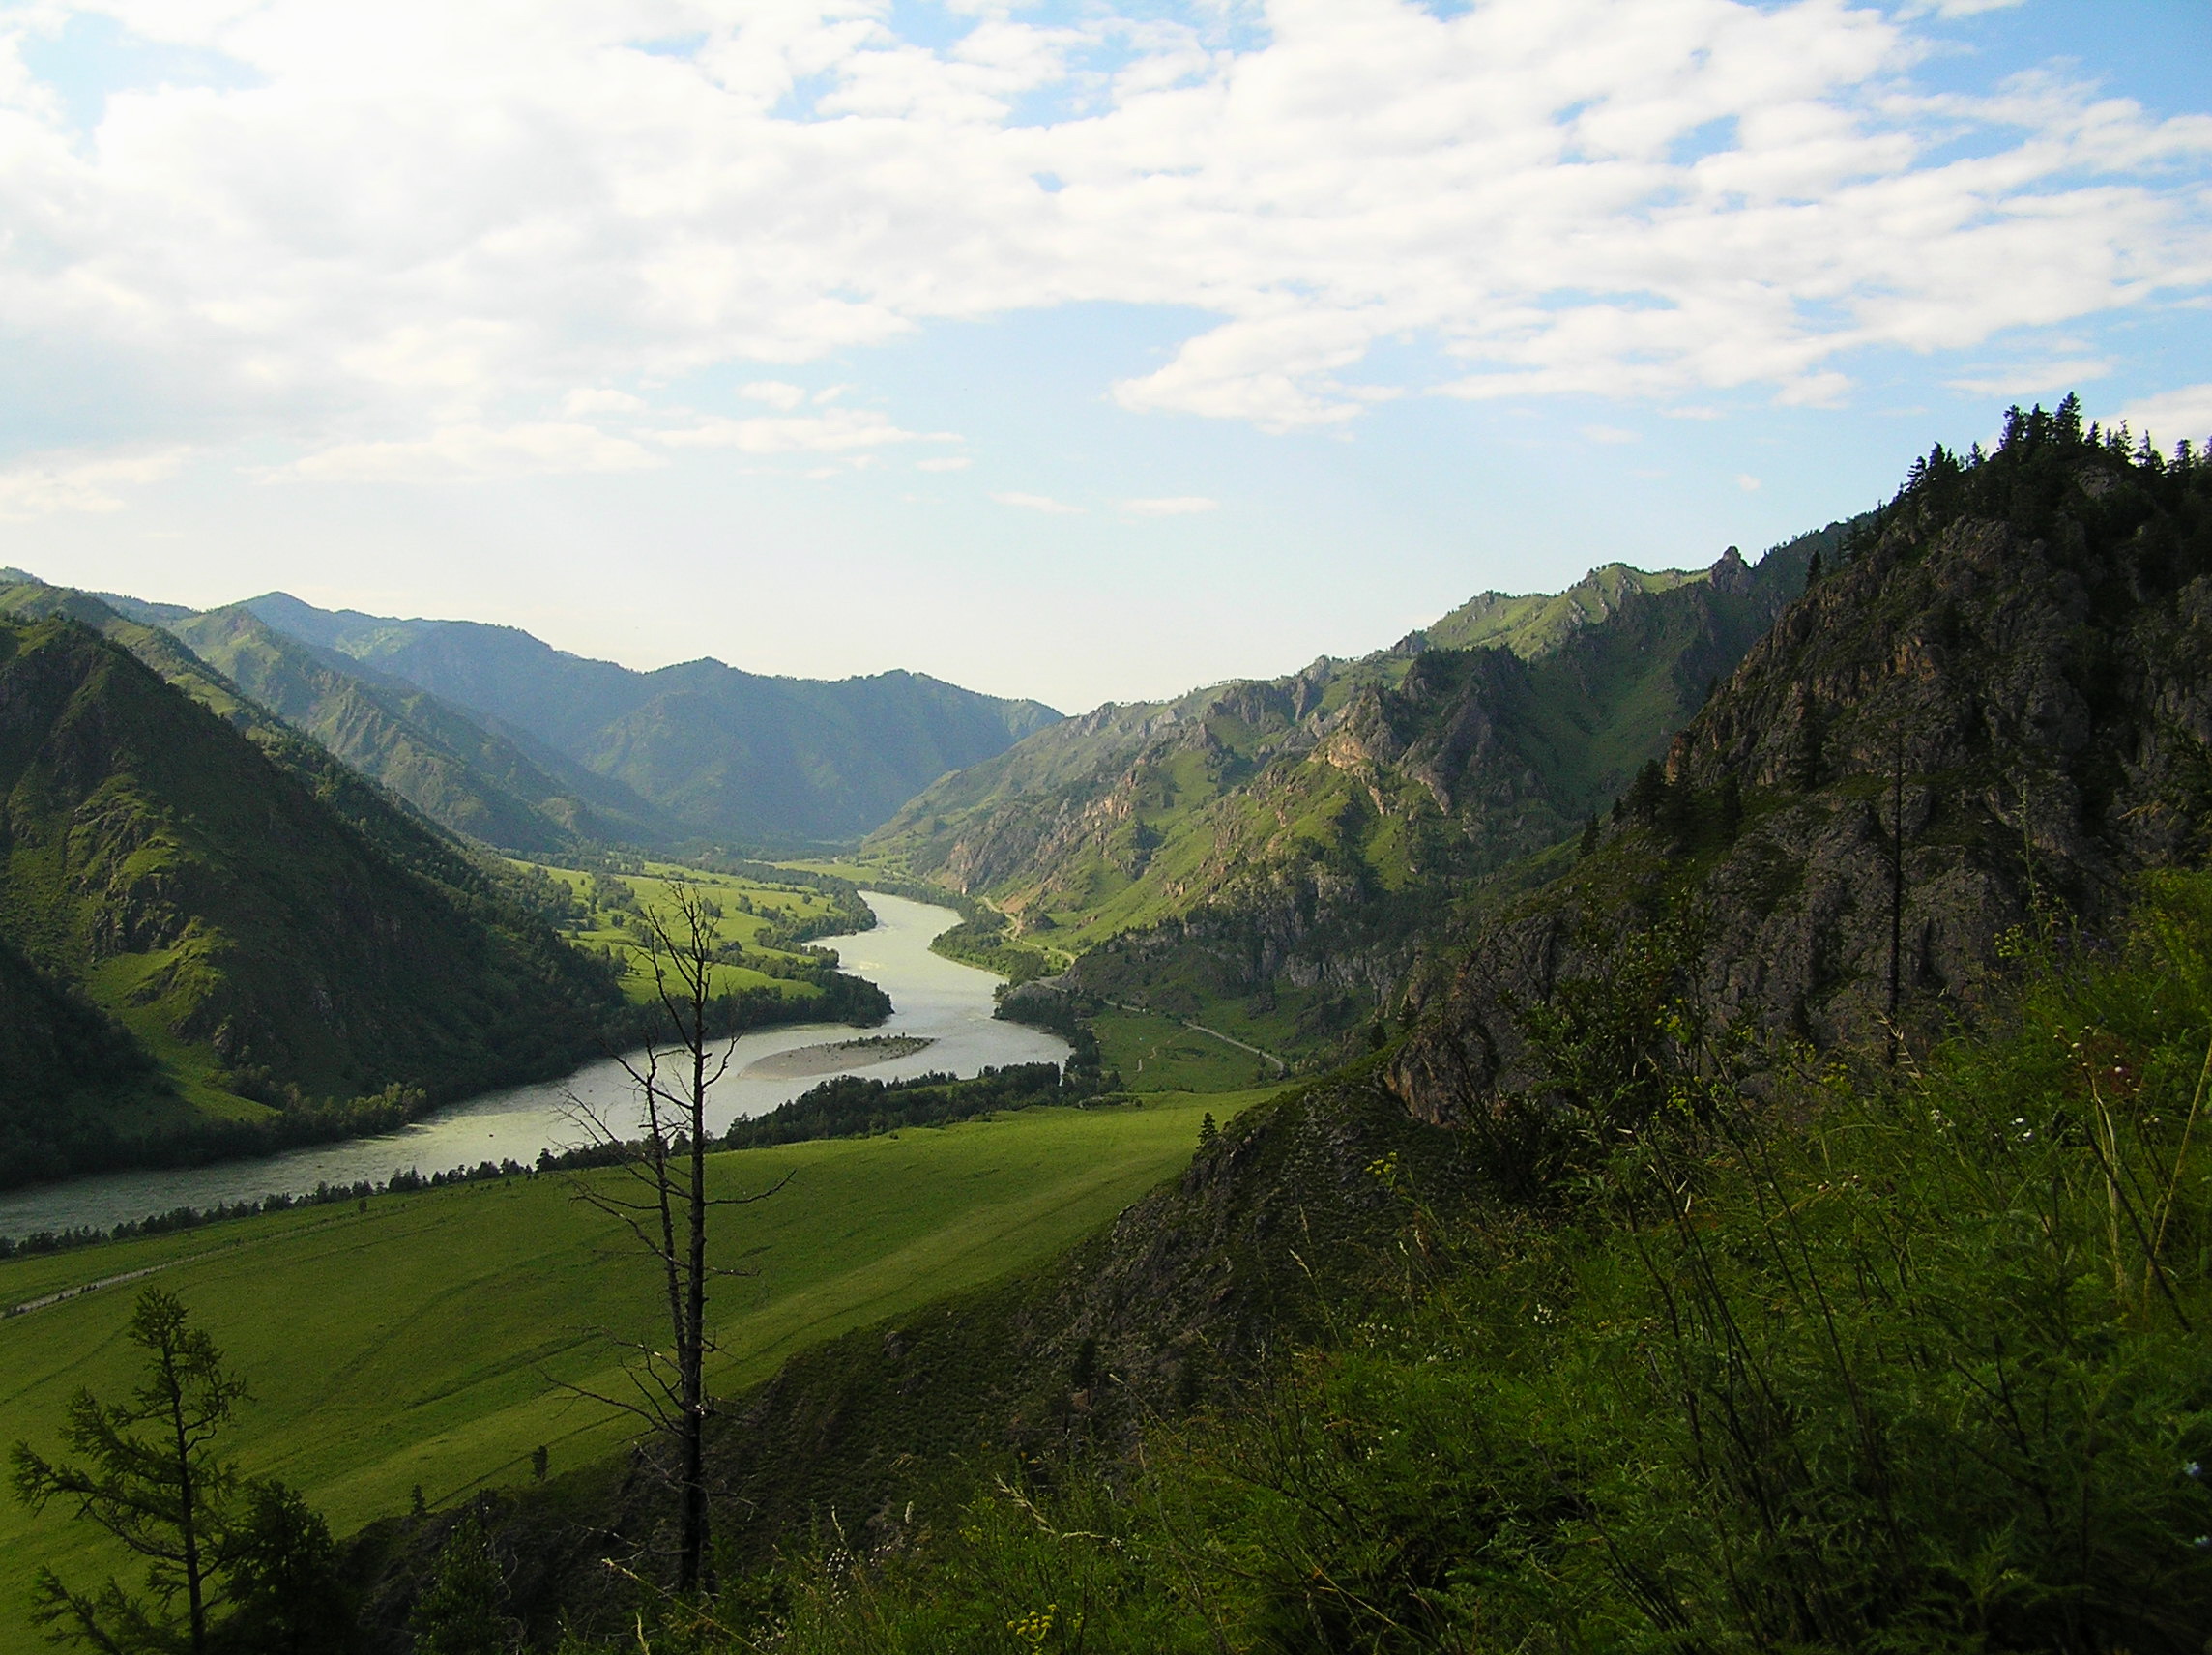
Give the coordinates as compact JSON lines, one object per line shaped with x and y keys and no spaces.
{"x":1080,"y":351}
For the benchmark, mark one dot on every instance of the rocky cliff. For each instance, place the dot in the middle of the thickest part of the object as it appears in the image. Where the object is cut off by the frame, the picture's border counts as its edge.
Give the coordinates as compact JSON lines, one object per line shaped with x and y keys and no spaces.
{"x":1956,"y":748}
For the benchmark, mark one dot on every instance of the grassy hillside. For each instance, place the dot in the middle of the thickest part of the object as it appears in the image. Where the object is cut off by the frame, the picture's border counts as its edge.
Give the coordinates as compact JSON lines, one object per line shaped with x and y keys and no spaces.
{"x":1905,"y":1360}
{"x":420,"y":1341}
{"x":270,"y":931}
{"x":1537,"y":624}
{"x":1269,"y":853}
{"x":1416,"y":762}
{"x":723,"y":753}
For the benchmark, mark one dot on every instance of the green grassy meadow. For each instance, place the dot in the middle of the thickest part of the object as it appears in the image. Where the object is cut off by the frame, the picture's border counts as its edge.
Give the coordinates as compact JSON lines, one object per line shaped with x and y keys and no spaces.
{"x":1158,"y":1054}
{"x":426,"y":1340}
{"x":749,"y":908}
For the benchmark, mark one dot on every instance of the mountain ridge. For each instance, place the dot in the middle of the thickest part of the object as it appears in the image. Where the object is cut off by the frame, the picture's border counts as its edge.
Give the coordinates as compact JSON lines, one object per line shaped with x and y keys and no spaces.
{"x":1280,"y":842}
{"x":719,"y":750}
{"x":1961,"y":745}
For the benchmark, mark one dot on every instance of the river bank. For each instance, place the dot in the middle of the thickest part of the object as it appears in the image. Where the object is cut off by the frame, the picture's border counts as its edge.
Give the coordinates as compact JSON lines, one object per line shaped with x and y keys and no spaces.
{"x":940,"y":1021}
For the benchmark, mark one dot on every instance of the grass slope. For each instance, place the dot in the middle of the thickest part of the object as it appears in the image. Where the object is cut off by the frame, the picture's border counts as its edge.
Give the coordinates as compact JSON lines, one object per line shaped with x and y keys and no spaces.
{"x":422,"y":1341}
{"x":1910,"y":1360}
{"x":607,"y":915}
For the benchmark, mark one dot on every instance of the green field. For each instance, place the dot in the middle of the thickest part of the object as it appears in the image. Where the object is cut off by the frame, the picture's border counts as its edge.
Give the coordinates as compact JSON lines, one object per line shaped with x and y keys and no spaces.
{"x":1159,"y":1054}
{"x":750,"y":908}
{"x":424,"y":1341}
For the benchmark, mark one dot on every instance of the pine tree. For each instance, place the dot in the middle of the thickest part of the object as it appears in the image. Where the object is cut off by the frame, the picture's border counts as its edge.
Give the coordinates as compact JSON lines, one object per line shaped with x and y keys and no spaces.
{"x":462,"y":1611}
{"x":1647,"y":792}
{"x":149,"y":1476}
{"x":281,"y":1571}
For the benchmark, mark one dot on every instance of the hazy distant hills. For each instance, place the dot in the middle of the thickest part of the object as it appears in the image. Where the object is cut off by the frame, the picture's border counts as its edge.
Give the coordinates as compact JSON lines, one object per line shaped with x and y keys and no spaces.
{"x":451,"y":767}
{"x":497,"y":734}
{"x":699,"y":750}
{"x":211,"y":931}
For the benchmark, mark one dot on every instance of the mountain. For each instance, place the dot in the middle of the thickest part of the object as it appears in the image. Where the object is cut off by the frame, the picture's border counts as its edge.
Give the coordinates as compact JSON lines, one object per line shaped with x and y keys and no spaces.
{"x":1536,"y":624}
{"x":1959,"y":748}
{"x":718,"y":752}
{"x":1282,"y":842}
{"x":213,"y":935}
{"x":459,"y":774}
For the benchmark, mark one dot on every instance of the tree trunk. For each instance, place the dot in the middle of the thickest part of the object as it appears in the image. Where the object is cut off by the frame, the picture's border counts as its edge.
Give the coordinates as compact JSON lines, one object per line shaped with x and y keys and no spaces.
{"x":694,"y":1352}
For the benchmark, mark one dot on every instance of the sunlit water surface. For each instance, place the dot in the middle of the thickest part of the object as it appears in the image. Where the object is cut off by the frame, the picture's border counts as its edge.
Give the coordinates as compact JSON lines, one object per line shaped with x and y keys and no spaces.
{"x":934,"y":998}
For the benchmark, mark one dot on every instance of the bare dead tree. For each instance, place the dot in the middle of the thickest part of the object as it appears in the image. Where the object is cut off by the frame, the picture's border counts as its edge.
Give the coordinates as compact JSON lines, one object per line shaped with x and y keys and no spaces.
{"x":665,"y":1203}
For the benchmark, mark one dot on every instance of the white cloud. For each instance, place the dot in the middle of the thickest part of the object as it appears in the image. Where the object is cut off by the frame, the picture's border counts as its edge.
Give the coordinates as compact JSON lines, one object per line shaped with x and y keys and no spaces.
{"x":1171,"y":506}
{"x":1611,"y":434}
{"x":2033,"y":379}
{"x":2172,"y":415}
{"x":1039,"y":503}
{"x":1956,"y":8}
{"x":587,"y":401}
{"x":945,"y":462}
{"x":775,"y":392}
{"x":457,"y":454}
{"x":1747,"y":482}
{"x":423,"y":217}
{"x":71,"y":483}
{"x":835,"y":430}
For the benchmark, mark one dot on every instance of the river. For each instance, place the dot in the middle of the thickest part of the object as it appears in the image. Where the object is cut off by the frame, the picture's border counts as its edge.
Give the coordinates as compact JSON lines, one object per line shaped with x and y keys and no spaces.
{"x":936,"y":999}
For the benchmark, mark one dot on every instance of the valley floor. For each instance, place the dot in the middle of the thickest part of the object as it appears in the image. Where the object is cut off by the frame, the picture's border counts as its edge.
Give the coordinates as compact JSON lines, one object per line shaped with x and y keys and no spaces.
{"x":426,"y":1340}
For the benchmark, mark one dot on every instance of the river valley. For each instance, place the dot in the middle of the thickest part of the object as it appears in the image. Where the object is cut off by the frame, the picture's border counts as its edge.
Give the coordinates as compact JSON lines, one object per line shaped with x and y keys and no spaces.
{"x":936,"y":1000}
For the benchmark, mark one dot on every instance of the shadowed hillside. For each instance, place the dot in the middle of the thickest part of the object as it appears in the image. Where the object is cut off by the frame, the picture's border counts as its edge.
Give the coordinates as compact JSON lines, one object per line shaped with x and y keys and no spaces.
{"x":277,"y":938}
{"x":1973,"y":734}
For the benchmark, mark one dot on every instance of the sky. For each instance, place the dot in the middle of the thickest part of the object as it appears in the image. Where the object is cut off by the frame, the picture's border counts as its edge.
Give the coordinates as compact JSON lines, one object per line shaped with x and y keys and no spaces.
{"x":1085,"y":351}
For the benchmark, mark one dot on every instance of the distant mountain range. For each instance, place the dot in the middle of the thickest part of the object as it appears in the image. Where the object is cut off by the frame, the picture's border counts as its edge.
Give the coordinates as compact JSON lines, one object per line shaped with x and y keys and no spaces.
{"x":497,"y":734}
{"x":1272,"y":849}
